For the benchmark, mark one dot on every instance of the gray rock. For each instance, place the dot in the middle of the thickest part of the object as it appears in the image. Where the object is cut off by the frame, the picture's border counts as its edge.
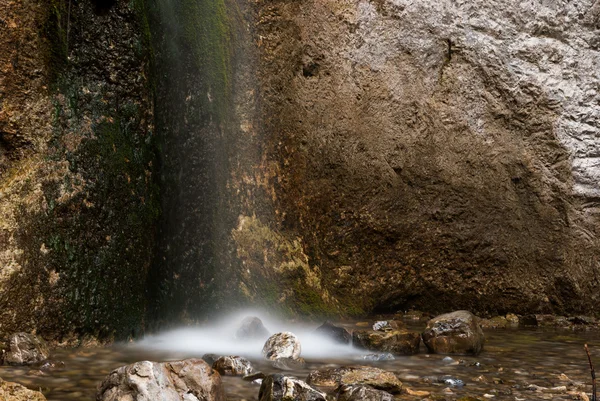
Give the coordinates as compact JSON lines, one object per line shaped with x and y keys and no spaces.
{"x":233,"y":366}
{"x":251,"y":328}
{"x":25,"y":349}
{"x":362,"y":393}
{"x":359,"y":375}
{"x":210,"y":358}
{"x":283,"y":388}
{"x":282,"y":345}
{"x":337,"y":334}
{"x":379,"y":357}
{"x":189,"y":380}
{"x":16,"y":392}
{"x":454,"y":333}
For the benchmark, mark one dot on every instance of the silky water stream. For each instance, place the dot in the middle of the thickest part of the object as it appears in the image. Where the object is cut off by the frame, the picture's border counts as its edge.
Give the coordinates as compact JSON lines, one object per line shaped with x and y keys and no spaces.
{"x":516,"y":364}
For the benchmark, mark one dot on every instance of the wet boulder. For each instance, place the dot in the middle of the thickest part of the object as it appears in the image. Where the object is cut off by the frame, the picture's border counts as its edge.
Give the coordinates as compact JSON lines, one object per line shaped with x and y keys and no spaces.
{"x":360,"y":375}
{"x":282,"y":345}
{"x":25,"y":349}
{"x":379,"y":357}
{"x":251,"y":328}
{"x":387,"y":325}
{"x":233,"y":366}
{"x":210,"y":358}
{"x":454,"y":333}
{"x":283,"y":388}
{"x":362,"y":393}
{"x":16,"y":392}
{"x":335,"y":333}
{"x":397,"y":342}
{"x":190,"y":380}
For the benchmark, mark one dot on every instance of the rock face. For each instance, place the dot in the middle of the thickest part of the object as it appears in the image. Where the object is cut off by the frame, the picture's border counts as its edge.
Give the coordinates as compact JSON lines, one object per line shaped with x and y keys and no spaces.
{"x":363,"y":375}
{"x":394,"y":341}
{"x":233,"y":366}
{"x":362,"y":393}
{"x":251,"y":328}
{"x":454,"y":144}
{"x":190,"y":379}
{"x":25,"y":349}
{"x":16,"y":392}
{"x":282,"y":345}
{"x":454,"y":333}
{"x":335,"y":333}
{"x":283,"y":388}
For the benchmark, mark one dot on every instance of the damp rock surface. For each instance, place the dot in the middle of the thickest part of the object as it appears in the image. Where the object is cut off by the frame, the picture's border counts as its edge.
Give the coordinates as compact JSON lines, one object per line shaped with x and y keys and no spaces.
{"x":233,"y":366}
{"x":454,"y":333}
{"x":16,"y":392}
{"x":362,"y":393}
{"x":356,"y":375}
{"x":396,"y":342}
{"x":190,"y":380}
{"x":335,"y":333}
{"x":283,"y":388}
{"x":26,"y":349}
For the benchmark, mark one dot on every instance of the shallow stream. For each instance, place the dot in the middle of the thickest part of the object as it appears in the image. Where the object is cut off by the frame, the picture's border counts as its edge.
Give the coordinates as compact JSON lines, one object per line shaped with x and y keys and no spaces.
{"x":516,"y":364}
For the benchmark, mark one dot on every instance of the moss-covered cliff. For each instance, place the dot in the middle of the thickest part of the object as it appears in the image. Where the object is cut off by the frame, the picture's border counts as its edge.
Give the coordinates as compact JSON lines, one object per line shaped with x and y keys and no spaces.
{"x":79,"y":195}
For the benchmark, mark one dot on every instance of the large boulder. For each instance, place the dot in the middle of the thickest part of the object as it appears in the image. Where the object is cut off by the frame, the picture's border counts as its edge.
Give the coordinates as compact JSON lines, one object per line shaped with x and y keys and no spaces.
{"x":251,"y":328}
{"x":189,"y":380}
{"x":282,"y":345}
{"x":25,"y":349}
{"x":283,"y":388}
{"x":16,"y":392}
{"x":360,"y":375}
{"x":233,"y":366}
{"x":362,"y":393}
{"x":335,"y":333}
{"x":454,"y":333}
{"x":396,"y":341}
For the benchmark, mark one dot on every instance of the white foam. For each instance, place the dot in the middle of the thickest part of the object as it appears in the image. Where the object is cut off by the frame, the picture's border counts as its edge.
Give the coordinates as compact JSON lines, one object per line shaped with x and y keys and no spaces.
{"x":218,"y":338}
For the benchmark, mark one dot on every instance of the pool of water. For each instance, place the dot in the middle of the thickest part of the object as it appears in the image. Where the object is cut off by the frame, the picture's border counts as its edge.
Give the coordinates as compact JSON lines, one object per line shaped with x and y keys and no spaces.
{"x":516,"y":364}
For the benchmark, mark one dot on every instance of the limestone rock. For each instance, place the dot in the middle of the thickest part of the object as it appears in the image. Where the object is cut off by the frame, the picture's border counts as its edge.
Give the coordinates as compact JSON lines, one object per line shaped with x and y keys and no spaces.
{"x":336,"y":333}
{"x":25,"y":349}
{"x":251,"y":328}
{"x":282,"y":388}
{"x":233,"y":366}
{"x":189,"y":380}
{"x":361,"y":375}
{"x":454,"y":333}
{"x":282,"y":345}
{"x":362,"y":393}
{"x":396,"y":342}
{"x":16,"y":392}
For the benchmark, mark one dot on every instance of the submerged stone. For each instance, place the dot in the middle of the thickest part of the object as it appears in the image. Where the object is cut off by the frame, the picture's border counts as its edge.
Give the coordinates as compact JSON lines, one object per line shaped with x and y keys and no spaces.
{"x":282,"y":345}
{"x":379,"y":357}
{"x":454,"y":333}
{"x":189,"y":380}
{"x":360,"y":375}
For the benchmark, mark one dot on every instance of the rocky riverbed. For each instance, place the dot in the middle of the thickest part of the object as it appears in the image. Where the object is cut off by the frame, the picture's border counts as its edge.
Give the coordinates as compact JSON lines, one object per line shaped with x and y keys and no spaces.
{"x":517,"y":363}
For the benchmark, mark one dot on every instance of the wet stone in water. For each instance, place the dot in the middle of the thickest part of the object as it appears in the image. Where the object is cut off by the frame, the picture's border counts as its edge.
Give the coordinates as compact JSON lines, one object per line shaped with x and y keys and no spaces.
{"x":335,"y":333}
{"x":252,"y":328}
{"x":282,"y":388}
{"x":379,"y":357}
{"x":454,"y":333}
{"x":374,"y":377}
{"x":233,"y":366}
{"x":25,"y":349}
{"x":362,"y":393}
{"x":282,"y":345}
{"x":397,"y":342}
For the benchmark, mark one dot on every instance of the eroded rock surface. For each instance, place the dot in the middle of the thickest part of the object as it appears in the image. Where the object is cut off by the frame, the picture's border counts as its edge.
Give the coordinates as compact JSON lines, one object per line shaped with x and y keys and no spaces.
{"x":361,"y":375}
{"x":16,"y":392}
{"x":394,"y":341}
{"x":26,"y":349}
{"x":190,"y":380}
{"x":454,"y":333}
{"x":233,"y":366}
{"x":282,"y":388}
{"x":363,"y":393}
